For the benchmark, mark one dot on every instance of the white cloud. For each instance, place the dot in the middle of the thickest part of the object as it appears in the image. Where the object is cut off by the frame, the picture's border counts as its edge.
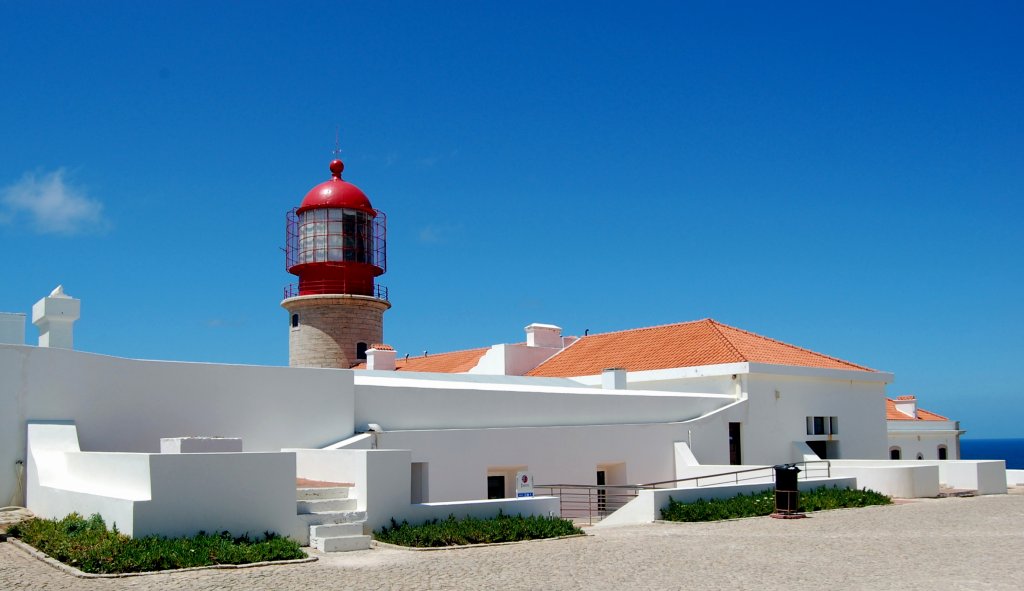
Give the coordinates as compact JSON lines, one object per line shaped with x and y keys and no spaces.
{"x":435,"y":234}
{"x":52,"y":205}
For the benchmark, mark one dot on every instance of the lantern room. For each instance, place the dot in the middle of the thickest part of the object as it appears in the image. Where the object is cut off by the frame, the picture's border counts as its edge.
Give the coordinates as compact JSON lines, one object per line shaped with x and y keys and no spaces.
{"x":336,"y":242}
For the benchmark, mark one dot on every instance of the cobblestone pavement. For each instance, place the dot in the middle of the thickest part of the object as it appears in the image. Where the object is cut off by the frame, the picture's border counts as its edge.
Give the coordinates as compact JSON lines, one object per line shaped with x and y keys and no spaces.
{"x":955,"y":543}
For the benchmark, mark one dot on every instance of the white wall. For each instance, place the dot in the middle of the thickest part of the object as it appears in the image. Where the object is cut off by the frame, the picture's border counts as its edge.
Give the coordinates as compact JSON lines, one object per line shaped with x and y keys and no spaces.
{"x":404,"y":403}
{"x":383,"y":486}
{"x":165,"y":494}
{"x":457,"y":460}
{"x":923,"y":437}
{"x":984,"y":476}
{"x":771,"y":423}
{"x":512,"y":360}
{"x":12,"y":328}
{"x":775,"y":421}
{"x":648,"y":504}
{"x":129,"y":405}
{"x":904,"y":482}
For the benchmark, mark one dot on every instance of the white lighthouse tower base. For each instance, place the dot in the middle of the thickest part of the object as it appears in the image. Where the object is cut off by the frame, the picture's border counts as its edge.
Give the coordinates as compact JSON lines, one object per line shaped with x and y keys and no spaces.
{"x":332,"y":330}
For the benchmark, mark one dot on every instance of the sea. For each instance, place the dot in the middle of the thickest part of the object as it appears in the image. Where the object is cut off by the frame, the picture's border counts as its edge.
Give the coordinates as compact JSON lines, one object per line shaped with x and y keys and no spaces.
{"x":1011,"y":450}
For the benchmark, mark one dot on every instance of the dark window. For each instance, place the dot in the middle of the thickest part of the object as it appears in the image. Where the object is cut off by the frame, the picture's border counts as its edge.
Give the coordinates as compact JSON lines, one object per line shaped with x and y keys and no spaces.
{"x":295,"y":320}
{"x":894,"y":453}
{"x":942,"y":452}
{"x":360,"y":350}
{"x":819,"y":426}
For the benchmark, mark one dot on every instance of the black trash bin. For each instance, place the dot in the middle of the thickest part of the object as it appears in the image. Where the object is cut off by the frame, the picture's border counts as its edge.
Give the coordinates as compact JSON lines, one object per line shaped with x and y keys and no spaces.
{"x":787,"y":493}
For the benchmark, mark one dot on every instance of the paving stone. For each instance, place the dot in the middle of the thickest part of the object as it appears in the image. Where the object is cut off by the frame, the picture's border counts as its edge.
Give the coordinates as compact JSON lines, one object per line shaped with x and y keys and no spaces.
{"x":953,"y":543}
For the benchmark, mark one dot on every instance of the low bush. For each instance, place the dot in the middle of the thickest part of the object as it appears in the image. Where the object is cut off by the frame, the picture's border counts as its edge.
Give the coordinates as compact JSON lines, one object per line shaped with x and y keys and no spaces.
{"x":459,"y":532}
{"x":88,"y":545}
{"x":763,"y":503}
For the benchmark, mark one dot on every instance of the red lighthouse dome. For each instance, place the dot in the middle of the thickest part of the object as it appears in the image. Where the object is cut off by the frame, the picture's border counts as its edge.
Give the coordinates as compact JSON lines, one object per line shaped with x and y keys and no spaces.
{"x":336,"y":241}
{"x":337,"y":193}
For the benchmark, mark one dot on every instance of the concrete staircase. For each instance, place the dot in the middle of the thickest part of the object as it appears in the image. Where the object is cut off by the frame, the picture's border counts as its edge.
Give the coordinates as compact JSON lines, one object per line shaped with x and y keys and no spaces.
{"x":334,"y":523}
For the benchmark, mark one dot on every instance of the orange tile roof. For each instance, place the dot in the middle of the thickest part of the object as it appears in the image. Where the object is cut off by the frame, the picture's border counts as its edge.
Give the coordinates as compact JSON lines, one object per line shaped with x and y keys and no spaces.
{"x":892,"y":414}
{"x":452,"y":362}
{"x":687,"y":344}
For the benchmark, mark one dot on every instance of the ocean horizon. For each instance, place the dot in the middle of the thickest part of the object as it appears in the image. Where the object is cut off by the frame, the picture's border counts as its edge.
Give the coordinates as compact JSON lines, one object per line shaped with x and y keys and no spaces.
{"x":1009,"y":449}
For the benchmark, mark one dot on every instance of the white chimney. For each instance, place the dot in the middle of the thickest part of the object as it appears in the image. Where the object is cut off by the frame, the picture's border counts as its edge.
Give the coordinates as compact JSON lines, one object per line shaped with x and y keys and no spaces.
{"x":907,"y":405}
{"x":12,"y":328}
{"x":544,"y":335}
{"x":381,"y":357}
{"x":55,"y":316}
{"x":613,"y":378}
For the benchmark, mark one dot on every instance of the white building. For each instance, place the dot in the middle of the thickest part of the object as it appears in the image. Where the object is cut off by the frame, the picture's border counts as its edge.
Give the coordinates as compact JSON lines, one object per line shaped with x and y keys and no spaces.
{"x":915,"y":433}
{"x":409,"y":437}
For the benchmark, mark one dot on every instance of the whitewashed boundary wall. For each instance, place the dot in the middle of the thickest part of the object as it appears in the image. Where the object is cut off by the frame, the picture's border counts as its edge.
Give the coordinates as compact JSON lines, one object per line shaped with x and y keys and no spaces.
{"x":903,"y":482}
{"x":162,"y":494}
{"x":987,"y":477}
{"x":128,"y":405}
{"x":647,"y":506}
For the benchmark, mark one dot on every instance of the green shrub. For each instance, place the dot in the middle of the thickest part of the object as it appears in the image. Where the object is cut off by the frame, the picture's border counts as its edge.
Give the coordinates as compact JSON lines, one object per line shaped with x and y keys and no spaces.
{"x":459,"y":532}
{"x":89,"y":546}
{"x":763,"y":503}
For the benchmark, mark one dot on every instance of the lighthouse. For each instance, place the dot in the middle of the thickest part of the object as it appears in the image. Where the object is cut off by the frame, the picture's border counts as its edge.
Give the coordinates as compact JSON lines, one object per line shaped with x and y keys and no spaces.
{"x":336,"y":243}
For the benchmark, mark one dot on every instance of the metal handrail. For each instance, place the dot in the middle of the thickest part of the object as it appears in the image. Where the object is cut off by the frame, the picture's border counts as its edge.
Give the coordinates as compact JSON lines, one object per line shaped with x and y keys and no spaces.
{"x":588,"y":501}
{"x":806,"y":472}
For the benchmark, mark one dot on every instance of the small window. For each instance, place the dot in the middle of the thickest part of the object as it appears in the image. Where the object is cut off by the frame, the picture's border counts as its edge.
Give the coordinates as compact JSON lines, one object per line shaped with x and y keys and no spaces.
{"x":920,"y":456}
{"x":361,"y":350}
{"x":894,"y":453}
{"x":822,"y":425}
{"x":942,"y":452}
{"x":295,"y":320}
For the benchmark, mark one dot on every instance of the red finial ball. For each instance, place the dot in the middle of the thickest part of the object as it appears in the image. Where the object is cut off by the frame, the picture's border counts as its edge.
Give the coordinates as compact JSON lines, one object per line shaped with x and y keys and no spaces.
{"x":336,"y":167}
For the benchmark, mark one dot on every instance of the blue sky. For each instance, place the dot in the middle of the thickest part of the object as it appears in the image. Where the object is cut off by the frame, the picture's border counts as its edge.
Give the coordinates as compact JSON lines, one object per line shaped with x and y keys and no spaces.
{"x":848,"y":179}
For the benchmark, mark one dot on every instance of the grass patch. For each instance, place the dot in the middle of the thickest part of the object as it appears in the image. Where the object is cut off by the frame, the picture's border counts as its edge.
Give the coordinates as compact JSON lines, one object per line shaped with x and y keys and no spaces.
{"x":763,"y":503}
{"x":89,"y":546}
{"x":460,"y":532}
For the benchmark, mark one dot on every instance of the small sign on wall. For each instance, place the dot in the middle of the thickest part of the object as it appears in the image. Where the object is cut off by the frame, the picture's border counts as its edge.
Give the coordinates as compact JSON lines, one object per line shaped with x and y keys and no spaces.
{"x":524,"y":484}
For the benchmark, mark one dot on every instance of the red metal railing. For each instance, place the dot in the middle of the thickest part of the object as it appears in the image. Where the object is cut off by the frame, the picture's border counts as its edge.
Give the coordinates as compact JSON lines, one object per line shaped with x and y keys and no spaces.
{"x":335,"y":287}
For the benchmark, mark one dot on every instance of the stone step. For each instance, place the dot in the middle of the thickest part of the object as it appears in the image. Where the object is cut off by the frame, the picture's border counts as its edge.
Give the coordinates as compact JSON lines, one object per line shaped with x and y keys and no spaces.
{"x":340,"y":543}
{"x":321,"y":505}
{"x":329,"y":517}
{"x":329,"y":492}
{"x":333,"y":530}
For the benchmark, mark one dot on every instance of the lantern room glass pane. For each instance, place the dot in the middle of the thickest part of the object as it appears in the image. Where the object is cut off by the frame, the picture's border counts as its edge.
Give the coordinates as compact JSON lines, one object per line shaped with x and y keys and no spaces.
{"x":337,"y":235}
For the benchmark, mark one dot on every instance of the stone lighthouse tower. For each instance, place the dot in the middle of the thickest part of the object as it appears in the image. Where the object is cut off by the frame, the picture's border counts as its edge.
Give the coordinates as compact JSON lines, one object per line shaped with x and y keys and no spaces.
{"x":336,"y":245}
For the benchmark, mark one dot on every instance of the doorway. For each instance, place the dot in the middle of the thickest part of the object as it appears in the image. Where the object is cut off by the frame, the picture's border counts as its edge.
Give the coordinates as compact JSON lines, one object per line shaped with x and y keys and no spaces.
{"x":495,"y":487}
{"x":735,"y":445}
{"x":419,"y":494}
